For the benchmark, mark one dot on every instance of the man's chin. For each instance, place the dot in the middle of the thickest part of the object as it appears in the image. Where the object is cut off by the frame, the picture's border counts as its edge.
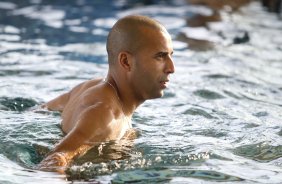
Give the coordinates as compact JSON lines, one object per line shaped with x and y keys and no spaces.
{"x":157,"y":95}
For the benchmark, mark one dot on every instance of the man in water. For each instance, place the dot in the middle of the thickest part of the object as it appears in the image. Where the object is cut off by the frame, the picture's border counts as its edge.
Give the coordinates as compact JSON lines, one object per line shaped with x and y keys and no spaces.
{"x":99,"y":110}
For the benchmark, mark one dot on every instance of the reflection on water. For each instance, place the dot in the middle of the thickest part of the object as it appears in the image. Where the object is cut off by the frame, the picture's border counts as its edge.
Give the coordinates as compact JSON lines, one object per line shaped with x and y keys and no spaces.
{"x":261,"y":152}
{"x":219,"y":121}
{"x":166,"y":175}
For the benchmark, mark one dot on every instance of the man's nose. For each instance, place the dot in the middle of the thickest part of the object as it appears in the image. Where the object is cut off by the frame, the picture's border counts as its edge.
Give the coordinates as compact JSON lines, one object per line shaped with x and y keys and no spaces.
{"x":170,"y":66}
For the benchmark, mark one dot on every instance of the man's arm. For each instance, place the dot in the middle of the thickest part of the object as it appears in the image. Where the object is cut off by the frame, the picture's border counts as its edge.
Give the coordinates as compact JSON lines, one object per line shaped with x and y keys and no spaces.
{"x":91,"y":129}
{"x":58,"y":103}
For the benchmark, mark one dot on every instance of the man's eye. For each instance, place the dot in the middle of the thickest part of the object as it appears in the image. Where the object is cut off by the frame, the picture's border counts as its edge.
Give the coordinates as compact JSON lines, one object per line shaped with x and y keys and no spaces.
{"x":161,"y":55}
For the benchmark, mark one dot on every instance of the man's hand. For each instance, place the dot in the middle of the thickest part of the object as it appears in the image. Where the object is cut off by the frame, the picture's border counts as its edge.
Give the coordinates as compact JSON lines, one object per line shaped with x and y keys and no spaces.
{"x":55,"y":162}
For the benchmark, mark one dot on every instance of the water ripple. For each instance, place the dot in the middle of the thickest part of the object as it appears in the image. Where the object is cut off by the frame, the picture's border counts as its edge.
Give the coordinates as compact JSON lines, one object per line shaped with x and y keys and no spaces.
{"x":261,"y":152}
{"x":208,"y":94}
{"x":16,"y":104}
{"x":199,"y":112}
{"x":227,"y":100}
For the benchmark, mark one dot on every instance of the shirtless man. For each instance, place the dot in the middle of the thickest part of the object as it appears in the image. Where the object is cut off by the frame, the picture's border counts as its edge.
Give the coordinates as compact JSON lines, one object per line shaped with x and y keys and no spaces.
{"x":140,"y":62}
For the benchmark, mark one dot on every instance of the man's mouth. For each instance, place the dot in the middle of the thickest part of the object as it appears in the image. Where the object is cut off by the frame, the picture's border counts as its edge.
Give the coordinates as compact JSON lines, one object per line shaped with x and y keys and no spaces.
{"x":164,"y":84}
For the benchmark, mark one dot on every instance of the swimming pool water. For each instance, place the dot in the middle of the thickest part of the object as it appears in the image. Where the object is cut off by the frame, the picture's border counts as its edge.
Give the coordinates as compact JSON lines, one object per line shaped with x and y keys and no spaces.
{"x":219,"y":121}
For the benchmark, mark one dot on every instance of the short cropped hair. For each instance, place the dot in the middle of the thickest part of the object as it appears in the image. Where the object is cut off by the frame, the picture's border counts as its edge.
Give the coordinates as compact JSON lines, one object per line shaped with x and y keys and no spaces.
{"x":128,"y":35}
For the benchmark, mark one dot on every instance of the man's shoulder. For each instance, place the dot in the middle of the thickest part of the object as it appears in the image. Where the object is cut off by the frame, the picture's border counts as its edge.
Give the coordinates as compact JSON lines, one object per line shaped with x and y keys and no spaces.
{"x":100,"y":106}
{"x":96,"y":100}
{"x":100,"y":112}
{"x":80,"y":88}
{"x":85,"y":93}
{"x":92,"y":82}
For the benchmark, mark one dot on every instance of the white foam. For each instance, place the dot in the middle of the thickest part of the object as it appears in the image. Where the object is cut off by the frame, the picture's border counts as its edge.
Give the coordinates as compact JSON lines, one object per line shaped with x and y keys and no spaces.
{"x":105,"y":22}
{"x":154,"y":10}
{"x":7,"y":5}
{"x":79,"y":29}
{"x":52,"y":17}
{"x":179,"y":45}
{"x":101,"y":32}
{"x":171,"y":22}
{"x":221,"y":26}
{"x":203,"y":10}
{"x":7,"y":37}
{"x":167,"y":10}
{"x":72,"y":22}
{"x":99,"y":48}
{"x":55,"y":24}
{"x":11,"y":29}
{"x":200,"y":33}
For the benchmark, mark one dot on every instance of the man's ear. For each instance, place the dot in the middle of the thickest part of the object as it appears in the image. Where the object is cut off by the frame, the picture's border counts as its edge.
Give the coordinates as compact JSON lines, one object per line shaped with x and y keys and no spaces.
{"x":125,"y":60}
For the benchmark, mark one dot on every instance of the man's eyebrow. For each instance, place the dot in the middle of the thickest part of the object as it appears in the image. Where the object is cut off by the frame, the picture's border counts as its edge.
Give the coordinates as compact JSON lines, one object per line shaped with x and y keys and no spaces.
{"x":163,"y":53}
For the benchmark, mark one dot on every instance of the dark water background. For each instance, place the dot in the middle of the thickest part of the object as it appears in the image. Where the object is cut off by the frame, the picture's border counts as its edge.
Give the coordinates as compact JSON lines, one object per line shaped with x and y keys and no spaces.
{"x":219,"y":121}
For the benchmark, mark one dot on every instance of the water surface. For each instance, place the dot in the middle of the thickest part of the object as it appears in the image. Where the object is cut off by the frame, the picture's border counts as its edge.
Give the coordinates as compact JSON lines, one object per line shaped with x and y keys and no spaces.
{"x":220,"y":118}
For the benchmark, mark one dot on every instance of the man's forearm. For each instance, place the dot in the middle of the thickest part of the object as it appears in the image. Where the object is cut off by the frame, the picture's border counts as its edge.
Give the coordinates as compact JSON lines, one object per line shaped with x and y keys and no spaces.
{"x":58,"y":161}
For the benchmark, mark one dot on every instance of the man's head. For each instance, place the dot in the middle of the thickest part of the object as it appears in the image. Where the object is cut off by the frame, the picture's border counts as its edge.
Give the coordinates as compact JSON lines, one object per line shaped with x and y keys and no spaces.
{"x":142,"y":47}
{"x":129,"y":34}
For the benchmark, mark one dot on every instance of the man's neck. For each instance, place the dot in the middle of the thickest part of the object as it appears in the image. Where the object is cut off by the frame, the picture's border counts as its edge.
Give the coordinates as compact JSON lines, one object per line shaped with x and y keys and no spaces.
{"x":126,"y":95}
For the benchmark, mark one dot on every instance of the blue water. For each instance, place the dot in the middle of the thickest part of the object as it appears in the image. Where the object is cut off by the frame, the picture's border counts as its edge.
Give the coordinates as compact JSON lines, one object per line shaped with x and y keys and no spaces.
{"x":219,"y":121}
